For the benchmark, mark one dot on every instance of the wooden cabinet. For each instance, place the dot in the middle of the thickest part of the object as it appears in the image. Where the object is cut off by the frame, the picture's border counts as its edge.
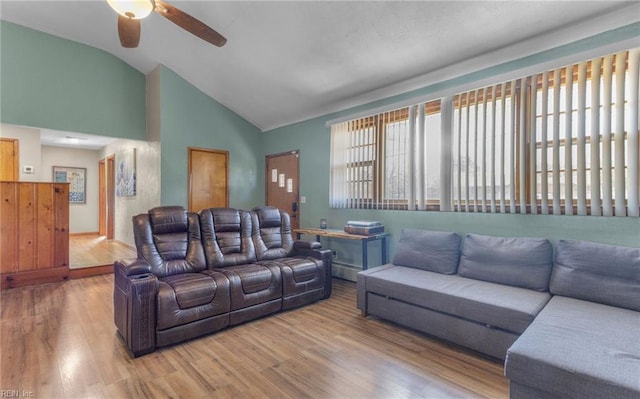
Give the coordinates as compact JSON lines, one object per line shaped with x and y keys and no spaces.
{"x":34,"y":233}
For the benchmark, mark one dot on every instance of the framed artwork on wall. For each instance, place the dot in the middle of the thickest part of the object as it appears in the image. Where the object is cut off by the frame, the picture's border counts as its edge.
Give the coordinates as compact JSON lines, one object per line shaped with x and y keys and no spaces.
{"x":126,"y":174}
{"x":77,"y":179}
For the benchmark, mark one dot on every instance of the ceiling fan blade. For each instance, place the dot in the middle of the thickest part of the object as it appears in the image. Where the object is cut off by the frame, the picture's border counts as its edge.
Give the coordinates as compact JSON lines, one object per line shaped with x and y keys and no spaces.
{"x":189,"y":23}
{"x":128,"y":31}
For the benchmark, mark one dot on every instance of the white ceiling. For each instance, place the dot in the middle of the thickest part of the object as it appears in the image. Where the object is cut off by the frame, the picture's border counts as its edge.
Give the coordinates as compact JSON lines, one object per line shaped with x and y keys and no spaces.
{"x":84,"y":141}
{"x":293,"y":60}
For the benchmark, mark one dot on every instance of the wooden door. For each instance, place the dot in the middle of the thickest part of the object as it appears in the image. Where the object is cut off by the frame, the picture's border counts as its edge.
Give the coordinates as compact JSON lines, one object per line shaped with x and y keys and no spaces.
{"x":208,"y":179}
{"x":282,"y":183}
{"x":102,"y":198}
{"x":110,"y":196}
{"x":9,"y":159}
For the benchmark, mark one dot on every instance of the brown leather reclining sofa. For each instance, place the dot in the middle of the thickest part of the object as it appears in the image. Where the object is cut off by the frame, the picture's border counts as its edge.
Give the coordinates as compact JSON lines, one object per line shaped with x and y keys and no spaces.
{"x":199,"y":273}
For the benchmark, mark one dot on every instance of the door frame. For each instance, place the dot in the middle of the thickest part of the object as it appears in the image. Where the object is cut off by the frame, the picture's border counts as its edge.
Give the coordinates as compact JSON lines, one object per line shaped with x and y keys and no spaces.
{"x":15,"y":170}
{"x":109,"y":192}
{"x":190,"y":150}
{"x":102,"y":198}
{"x":267,"y":177}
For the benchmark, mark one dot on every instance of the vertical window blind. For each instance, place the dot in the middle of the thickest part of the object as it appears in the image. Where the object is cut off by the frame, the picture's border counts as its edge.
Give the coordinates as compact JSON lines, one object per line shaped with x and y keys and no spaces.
{"x":387,"y":161}
{"x":563,"y":141}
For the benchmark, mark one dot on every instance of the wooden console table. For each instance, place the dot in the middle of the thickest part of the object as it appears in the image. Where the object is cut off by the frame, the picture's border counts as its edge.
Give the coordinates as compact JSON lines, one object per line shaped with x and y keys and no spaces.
{"x":343,"y":235}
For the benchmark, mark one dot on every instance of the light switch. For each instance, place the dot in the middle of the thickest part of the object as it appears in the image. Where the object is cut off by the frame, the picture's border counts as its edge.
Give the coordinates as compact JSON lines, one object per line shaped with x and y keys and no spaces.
{"x":303,"y":199}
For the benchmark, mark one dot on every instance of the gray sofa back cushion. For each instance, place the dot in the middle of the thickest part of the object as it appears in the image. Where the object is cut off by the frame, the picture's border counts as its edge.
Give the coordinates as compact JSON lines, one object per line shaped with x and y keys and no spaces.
{"x":435,"y":251}
{"x":597,"y":272}
{"x":517,"y":261}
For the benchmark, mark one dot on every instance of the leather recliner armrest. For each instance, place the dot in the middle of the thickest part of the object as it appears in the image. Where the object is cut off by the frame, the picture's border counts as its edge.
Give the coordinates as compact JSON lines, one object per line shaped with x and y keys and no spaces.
{"x":130,"y":267}
{"x":306,"y":245}
{"x":134,"y":297}
{"x":312,"y":249}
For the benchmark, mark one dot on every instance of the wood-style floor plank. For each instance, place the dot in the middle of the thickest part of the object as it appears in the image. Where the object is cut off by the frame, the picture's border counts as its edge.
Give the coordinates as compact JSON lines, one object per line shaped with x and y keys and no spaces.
{"x":58,"y":340}
{"x":95,"y":250}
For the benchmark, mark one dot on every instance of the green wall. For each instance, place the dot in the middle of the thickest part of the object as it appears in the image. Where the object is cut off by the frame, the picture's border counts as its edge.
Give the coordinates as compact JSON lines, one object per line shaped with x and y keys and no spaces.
{"x":312,"y":138}
{"x":190,"y":118}
{"x":54,"y":83}
{"x":50,"y":82}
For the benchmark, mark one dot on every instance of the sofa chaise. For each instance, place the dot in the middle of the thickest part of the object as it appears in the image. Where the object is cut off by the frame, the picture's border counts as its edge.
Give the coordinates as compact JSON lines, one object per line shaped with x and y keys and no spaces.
{"x":585,"y":343}
{"x":199,"y":273}
{"x":568,"y":326}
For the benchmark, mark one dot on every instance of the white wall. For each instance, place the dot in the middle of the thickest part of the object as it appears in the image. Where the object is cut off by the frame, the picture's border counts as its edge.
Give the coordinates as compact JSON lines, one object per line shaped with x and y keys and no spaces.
{"x":147,"y":187}
{"x":29,"y":151}
{"x":83,"y":218}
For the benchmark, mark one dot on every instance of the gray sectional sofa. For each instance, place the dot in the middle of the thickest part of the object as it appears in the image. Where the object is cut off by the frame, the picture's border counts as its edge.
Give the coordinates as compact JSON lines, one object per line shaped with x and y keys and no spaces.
{"x":585,"y":343}
{"x":567,"y":326}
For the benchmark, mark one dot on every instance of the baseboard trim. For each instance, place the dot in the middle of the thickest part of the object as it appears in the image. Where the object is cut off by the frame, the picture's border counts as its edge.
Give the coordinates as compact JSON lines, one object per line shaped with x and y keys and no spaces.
{"x":345,"y":271}
{"x":21,"y":279}
{"x":90,"y":271}
{"x":89,"y":233}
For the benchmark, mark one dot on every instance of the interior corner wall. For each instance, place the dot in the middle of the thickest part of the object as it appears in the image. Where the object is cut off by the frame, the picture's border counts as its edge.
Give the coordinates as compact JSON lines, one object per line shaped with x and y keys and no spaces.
{"x":190,"y":118}
{"x":312,"y":138}
{"x":54,"y":83}
{"x":147,"y":184}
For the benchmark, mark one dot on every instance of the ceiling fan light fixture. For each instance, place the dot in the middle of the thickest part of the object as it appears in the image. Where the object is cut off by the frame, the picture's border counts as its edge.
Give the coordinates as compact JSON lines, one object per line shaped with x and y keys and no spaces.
{"x":134,"y":9}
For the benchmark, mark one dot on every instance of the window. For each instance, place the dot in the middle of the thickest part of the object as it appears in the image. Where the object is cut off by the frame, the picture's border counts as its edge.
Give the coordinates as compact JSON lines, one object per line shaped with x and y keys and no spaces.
{"x":582,"y":137}
{"x":484,"y":135}
{"x":563,"y":141}
{"x":374,"y":159}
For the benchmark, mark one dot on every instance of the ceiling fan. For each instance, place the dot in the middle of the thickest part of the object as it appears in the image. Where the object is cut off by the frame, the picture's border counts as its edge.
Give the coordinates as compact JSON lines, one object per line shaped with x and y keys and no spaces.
{"x":130,"y":12}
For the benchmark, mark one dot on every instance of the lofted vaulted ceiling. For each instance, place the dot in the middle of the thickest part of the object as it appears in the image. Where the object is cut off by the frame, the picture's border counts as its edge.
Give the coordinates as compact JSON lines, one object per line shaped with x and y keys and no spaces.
{"x":293,"y":60}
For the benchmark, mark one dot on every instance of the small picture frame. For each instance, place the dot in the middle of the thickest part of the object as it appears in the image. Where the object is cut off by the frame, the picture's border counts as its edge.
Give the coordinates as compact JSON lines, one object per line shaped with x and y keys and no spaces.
{"x":77,"y":179}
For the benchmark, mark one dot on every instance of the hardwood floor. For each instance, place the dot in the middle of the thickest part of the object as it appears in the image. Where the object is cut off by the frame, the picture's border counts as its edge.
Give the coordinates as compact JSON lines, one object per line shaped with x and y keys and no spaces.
{"x":59,"y":340}
{"x":95,"y":250}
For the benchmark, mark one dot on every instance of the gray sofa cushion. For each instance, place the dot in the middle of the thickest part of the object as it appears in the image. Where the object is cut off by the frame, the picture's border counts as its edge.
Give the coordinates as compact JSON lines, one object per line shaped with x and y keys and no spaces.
{"x":435,"y":251}
{"x":501,"y":306}
{"x":579,"y":349}
{"x":520,"y":262}
{"x":596,"y":272}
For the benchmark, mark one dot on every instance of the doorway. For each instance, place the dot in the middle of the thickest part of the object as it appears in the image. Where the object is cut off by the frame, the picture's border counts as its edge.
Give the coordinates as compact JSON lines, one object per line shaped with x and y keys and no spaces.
{"x":9,"y":159}
{"x":102,"y":200}
{"x":282,"y":183}
{"x":106,"y":204}
{"x":208,"y":179}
